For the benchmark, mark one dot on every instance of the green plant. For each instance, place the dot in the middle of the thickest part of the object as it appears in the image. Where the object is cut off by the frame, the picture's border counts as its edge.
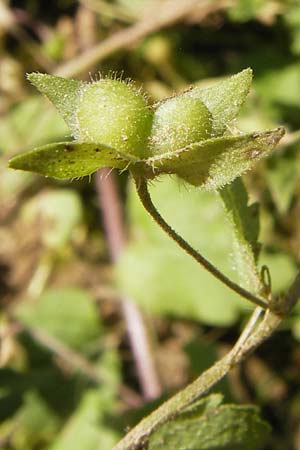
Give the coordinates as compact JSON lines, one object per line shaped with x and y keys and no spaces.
{"x":189,"y":136}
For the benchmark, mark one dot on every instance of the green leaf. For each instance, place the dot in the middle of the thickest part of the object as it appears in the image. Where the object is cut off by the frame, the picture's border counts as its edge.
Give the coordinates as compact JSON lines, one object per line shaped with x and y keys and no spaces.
{"x":69,"y":159}
{"x":176,"y":284}
{"x":224,"y":99}
{"x":62,"y":92}
{"x":244,"y":220}
{"x":37,"y":422}
{"x":57,"y":213}
{"x":213,"y":163}
{"x":67,"y":314}
{"x":282,"y":175}
{"x":279,"y":86}
{"x":30,"y":123}
{"x":244,"y":11}
{"x":90,"y":427}
{"x":210,"y":426}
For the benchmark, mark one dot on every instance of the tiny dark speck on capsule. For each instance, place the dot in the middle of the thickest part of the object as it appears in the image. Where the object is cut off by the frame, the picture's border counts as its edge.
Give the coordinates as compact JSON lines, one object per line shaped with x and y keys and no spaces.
{"x":68,"y":148}
{"x":97,"y":149}
{"x":71,"y":162}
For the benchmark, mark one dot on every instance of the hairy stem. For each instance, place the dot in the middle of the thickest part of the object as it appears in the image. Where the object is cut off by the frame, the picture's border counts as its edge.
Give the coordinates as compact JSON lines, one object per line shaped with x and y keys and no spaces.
{"x":252,"y":336}
{"x":176,"y":404}
{"x":142,"y":190}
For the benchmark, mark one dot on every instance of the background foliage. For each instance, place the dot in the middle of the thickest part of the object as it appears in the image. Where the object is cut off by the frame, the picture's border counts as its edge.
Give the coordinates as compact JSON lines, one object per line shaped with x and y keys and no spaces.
{"x":67,"y":378}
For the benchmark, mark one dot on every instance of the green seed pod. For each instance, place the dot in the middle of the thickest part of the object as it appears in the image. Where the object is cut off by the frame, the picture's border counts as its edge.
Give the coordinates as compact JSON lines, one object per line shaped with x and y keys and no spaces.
{"x":179,"y":122}
{"x":114,"y":113}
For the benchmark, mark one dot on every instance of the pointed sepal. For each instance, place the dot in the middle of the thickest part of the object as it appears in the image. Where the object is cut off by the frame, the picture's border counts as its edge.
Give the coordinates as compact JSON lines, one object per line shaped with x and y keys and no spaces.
{"x":213,"y":163}
{"x":62,"y":92}
{"x":69,"y":159}
{"x":224,"y":99}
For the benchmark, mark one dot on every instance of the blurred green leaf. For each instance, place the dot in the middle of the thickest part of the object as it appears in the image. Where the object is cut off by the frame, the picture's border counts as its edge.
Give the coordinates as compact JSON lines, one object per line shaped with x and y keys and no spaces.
{"x":37,"y":423}
{"x":244,"y":10}
{"x":55,"y":45}
{"x":201,"y":355}
{"x":58,"y":214}
{"x":91,"y":425}
{"x":278,"y":88}
{"x":68,"y":314}
{"x":282,"y":175}
{"x":86,"y":429}
{"x":211,"y":426}
{"x":12,"y":184}
{"x":292,"y":18}
{"x":31,"y":122}
{"x":296,"y":323}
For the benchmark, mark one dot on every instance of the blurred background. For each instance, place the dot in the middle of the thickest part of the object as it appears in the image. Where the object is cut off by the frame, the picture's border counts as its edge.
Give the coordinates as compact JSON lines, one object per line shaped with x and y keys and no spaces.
{"x":101,"y":315}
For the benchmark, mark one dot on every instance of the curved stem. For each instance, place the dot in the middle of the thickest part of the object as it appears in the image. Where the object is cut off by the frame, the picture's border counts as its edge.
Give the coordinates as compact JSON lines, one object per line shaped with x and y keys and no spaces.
{"x":143,"y":193}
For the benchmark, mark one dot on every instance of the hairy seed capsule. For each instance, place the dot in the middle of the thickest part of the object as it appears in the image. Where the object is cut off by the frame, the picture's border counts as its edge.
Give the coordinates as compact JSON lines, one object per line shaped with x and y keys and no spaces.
{"x":179,"y":122}
{"x":114,"y":113}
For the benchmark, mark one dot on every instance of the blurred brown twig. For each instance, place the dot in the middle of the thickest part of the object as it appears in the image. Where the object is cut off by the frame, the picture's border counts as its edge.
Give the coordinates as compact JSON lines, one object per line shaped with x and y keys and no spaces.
{"x":168,"y":13}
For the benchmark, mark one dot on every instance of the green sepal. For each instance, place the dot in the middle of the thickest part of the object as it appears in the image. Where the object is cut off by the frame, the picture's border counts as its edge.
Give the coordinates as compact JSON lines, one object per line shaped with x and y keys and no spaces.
{"x":224,"y":99}
{"x":213,"y":163}
{"x":244,"y":217}
{"x":70,"y":159}
{"x":63,"y":93}
{"x":244,"y":220}
{"x":210,"y":164}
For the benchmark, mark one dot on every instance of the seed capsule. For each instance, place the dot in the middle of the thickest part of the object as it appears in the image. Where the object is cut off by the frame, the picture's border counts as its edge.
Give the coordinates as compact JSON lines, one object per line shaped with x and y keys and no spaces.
{"x":114,"y":113}
{"x":179,"y":122}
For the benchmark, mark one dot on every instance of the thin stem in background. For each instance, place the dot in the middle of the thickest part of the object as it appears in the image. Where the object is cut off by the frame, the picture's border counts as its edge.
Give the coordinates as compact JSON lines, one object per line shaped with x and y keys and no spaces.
{"x":163,"y":15}
{"x":11,"y":21}
{"x":110,"y":205}
{"x":142,"y":190}
{"x":71,"y":359}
